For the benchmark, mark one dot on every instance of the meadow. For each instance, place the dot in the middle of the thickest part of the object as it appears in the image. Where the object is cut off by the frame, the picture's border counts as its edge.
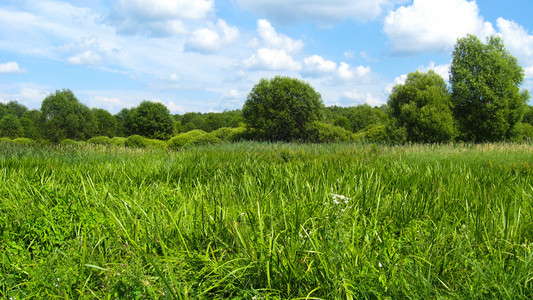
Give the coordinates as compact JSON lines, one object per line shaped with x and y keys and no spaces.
{"x":267,"y":221}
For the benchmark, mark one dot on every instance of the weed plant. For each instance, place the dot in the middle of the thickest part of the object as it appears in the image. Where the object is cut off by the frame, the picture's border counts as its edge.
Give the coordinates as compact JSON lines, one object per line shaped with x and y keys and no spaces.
{"x":267,"y":221}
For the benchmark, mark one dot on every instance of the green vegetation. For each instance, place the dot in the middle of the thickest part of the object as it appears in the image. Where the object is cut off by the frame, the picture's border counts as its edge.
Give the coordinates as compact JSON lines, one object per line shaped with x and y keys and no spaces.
{"x":270,"y":221}
{"x":282,"y":109}
{"x":485,"y":81}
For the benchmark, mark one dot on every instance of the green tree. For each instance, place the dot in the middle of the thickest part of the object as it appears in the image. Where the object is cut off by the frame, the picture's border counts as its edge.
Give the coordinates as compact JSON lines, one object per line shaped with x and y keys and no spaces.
{"x":13,"y":107}
{"x":422,"y":106}
{"x":10,"y":127}
{"x":362,"y":116}
{"x":123,"y":118}
{"x":106,"y":123}
{"x":63,"y":116}
{"x":485,"y":82}
{"x":151,"y":120}
{"x":282,"y":109}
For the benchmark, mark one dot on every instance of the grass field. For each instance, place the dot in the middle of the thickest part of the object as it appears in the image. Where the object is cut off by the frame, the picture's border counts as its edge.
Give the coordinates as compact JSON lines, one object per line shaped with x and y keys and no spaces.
{"x":267,"y":221}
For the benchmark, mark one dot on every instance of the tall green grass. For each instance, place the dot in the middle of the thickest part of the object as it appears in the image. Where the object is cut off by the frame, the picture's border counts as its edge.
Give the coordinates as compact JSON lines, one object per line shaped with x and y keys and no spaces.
{"x":270,"y":221}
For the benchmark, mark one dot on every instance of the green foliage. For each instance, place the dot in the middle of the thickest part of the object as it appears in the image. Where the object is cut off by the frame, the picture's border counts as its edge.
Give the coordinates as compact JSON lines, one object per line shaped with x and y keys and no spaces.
{"x":118,"y":141}
{"x":24,"y":142}
{"x":106,"y":123}
{"x":528,"y":114}
{"x":192,"y":138}
{"x":100,"y":140}
{"x":522,"y":132}
{"x":227,"y":134}
{"x":137,"y":141}
{"x":374,"y":133}
{"x":151,"y":120}
{"x":63,"y":116}
{"x":485,"y":82}
{"x":282,"y":109}
{"x":12,"y":107}
{"x":321,"y":132}
{"x":422,"y":106}
{"x":10,"y":127}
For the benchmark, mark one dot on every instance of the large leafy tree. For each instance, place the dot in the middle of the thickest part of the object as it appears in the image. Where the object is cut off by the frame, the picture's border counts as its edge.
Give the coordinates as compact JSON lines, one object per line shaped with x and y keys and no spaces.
{"x":485,"y":82}
{"x":282,"y":109}
{"x":106,"y":123}
{"x":422,"y":106}
{"x":63,"y":116}
{"x":10,"y":127}
{"x":150,"y":119}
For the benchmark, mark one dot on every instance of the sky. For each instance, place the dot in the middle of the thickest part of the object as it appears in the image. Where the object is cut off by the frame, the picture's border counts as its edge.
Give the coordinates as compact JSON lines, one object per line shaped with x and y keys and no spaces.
{"x":206,"y":55}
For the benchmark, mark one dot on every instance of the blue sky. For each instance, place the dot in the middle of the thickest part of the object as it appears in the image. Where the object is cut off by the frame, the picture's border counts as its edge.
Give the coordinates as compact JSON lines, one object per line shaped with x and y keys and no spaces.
{"x":206,"y":55}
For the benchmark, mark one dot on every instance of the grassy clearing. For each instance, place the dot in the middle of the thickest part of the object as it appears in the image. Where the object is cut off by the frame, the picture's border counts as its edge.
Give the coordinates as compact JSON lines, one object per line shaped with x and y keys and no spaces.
{"x":267,"y":221}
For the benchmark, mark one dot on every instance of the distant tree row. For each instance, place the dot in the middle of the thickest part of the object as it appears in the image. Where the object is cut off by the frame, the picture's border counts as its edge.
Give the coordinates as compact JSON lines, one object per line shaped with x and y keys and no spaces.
{"x":483,"y":103}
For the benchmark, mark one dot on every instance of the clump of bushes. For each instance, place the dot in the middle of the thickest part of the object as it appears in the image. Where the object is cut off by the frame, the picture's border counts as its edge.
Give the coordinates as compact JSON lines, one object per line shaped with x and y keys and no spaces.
{"x":321,"y":132}
{"x":227,"y":134}
{"x":118,"y":141}
{"x":191,"y":138}
{"x":100,"y":140}
{"x":137,"y":141}
{"x":24,"y":142}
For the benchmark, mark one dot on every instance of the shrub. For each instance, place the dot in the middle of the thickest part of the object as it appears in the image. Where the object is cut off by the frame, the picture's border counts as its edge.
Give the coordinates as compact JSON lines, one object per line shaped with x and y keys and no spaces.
{"x":100,"y":140}
{"x":193,"y":137}
{"x":136,"y":141}
{"x":230,"y":134}
{"x":374,"y":133}
{"x":118,"y":141}
{"x":321,"y":132}
{"x":70,"y":142}
{"x":24,"y":142}
{"x":5,"y":140}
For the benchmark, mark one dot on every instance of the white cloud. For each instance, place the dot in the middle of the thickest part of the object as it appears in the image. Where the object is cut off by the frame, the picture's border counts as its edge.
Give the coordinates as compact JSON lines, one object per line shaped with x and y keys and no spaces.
{"x":174,"y":108}
{"x":316,"y":66}
{"x":360,"y":98}
{"x":519,"y":42}
{"x":433,"y":25}
{"x":210,"y":40}
{"x":233,"y":94}
{"x":319,"y":11}
{"x":157,"y":17}
{"x":346,"y":73}
{"x":88,"y":57}
{"x":398,"y":80}
{"x":276,"y":40}
{"x":272,"y":59}
{"x":442,"y":70}
{"x":10,"y":67}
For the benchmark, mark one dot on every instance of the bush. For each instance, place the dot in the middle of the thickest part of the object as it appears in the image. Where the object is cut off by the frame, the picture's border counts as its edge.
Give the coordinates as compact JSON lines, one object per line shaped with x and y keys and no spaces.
{"x":100,"y":140}
{"x":70,"y":142}
{"x":5,"y":140}
{"x":191,"y":138}
{"x":24,"y":142}
{"x":321,"y":132}
{"x":522,"y":132}
{"x":136,"y":141}
{"x":230,"y":134}
{"x":118,"y":141}
{"x":374,"y":133}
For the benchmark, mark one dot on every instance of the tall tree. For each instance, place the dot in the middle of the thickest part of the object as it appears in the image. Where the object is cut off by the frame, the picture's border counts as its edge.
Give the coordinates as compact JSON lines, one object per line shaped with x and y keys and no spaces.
{"x":422,"y":106}
{"x":106,"y":122}
{"x":63,"y":116}
{"x":485,"y":82}
{"x":282,"y":109}
{"x":152,"y":120}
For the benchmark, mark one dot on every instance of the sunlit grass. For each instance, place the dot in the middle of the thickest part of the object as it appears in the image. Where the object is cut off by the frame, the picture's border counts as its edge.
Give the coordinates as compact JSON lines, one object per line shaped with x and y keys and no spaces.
{"x":267,"y":221}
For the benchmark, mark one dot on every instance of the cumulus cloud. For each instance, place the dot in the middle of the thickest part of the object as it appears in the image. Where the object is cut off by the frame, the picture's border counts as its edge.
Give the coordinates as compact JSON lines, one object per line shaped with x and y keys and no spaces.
{"x":346,"y":73}
{"x":157,"y":17}
{"x":442,"y":70}
{"x":210,"y":40}
{"x":320,"y":11}
{"x":272,"y":59}
{"x":88,"y":57}
{"x":10,"y":67}
{"x":433,"y":25}
{"x":316,"y":66}
{"x":361,"y":98}
{"x":519,"y":42}
{"x":275,"y":40}
{"x":398,"y":80}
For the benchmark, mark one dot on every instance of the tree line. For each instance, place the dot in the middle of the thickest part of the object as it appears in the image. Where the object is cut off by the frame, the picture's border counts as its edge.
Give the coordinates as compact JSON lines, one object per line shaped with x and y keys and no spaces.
{"x":482,"y":103}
